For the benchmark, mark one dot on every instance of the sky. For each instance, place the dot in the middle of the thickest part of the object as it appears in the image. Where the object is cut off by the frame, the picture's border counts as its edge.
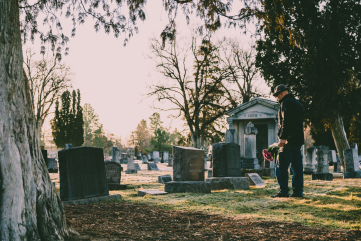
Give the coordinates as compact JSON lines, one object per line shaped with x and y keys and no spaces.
{"x":114,"y":79}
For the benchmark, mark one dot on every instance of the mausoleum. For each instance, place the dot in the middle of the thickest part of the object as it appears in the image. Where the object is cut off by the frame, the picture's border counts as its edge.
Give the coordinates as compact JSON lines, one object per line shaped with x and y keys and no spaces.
{"x":263,"y":113}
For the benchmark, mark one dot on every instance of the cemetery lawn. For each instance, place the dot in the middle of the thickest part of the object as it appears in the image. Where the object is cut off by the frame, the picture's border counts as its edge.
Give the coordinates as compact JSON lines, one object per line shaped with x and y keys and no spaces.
{"x":329,"y":210}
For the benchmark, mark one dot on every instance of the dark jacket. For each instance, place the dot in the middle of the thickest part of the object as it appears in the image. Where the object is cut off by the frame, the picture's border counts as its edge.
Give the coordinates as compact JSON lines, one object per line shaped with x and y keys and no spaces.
{"x":290,"y":120}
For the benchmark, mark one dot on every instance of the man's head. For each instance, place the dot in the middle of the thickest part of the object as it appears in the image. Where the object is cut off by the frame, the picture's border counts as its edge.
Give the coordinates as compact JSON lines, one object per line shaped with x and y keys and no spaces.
{"x":280,"y":91}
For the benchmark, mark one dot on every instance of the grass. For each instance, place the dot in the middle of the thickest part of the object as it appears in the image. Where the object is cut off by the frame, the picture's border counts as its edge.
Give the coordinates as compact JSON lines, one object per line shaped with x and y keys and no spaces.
{"x":332,"y":204}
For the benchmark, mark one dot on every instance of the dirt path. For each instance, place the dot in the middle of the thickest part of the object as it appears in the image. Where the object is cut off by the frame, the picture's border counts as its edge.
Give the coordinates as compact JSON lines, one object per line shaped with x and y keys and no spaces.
{"x":123,"y":221}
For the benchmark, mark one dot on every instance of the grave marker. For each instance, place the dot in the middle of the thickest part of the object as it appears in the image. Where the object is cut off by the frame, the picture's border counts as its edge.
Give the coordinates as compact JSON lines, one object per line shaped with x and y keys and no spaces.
{"x":152,"y":167}
{"x":165,"y":178}
{"x":188,"y":164}
{"x":255,"y":179}
{"x":130,"y":166}
{"x":113,"y":172}
{"x":226,"y":160}
{"x":137,"y":167}
{"x":52,"y":165}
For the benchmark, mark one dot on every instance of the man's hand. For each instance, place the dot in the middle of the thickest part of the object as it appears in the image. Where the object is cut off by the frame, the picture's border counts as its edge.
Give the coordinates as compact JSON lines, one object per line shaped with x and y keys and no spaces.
{"x":282,"y":142}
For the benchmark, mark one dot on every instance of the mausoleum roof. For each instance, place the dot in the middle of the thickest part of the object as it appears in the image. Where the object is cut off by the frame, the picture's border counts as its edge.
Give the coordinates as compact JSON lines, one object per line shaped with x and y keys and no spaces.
{"x":255,"y":101}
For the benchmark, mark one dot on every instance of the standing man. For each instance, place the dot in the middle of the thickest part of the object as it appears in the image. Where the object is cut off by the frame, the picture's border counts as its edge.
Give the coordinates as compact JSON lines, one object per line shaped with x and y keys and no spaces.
{"x":291,"y":138}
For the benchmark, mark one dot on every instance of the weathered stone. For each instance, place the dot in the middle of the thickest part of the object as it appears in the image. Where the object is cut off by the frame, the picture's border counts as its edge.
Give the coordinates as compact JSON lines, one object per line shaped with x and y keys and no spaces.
{"x":250,"y":160}
{"x":311,"y":161}
{"x":170,"y":160}
{"x":152,"y":167}
{"x":137,"y":167}
{"x":143,"y":192}
{"x":187,"y":186}
{"x":255,"y":179}
{"x":131,"y":165}
{"x":115,"y":154}
{"x":229,"y":136}
{"x":113,"y":172}
{"x":322,"y":165}
{"x":322,"y":176}
{"x":188,"y":164}
{"x":351,"y":160}
{"x":144,"y":159}
{"x":52,"y":165}
{"x":337,"y":167}
{"x":226,"y":160}
{"x":165,"y":178}
{"x":238,"y":183}
{"x":154,"y":156}
{"x":92,"y":200}
{"x":82,"y":173}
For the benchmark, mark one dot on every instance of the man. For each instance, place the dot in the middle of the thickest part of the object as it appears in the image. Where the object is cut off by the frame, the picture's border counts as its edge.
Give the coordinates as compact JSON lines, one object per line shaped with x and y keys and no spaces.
{"x":291,"y":138}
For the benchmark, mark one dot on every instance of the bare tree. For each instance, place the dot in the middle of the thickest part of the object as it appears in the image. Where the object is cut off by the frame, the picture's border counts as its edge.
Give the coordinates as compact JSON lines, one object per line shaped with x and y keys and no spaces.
{"x":242,"y":62}
{"x":198,"y":93}
{"x":47,"y":80}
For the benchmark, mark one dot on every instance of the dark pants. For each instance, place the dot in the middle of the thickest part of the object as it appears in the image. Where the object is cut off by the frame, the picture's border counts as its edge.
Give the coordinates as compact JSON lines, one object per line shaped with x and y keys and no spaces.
{"x":291,"y":154}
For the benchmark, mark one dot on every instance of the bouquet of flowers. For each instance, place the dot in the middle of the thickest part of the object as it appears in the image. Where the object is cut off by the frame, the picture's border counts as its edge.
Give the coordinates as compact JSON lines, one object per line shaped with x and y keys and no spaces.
{"x":271,"y":152}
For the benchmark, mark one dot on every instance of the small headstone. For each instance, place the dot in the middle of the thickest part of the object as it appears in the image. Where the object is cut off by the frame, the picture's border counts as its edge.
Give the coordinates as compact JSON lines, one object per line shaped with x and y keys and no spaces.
{"x":226,"y":160}
{"x":130,"y":166}
{"x":352,"y":164}
{"x":115,"y":154}
{"x":154,"y":156}
{"x":152,"y":167}
{"x":170,"y":160}
{"x":165,"y":178}
{"x":188,"y":164}
{"x":82,"y":173}
{"x":255,"y":180}
{"x":52,"y":165}
{"x":143,"y":192}
{"x":144,"y":159}
{"x":229,"y":136}
{"x":310,"y":161}
{"x":337,"y":167}
{"x":113,"y":172}
{"x":137,"y":167}
{"x":68,"y":146}
{"x":165,"y":157}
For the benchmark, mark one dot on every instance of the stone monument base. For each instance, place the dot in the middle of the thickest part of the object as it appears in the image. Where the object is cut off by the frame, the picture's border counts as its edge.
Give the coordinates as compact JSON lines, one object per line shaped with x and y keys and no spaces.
{"x":258,"y":171}
{"x":356,"y":174}
{"x":307,"y":171}
{"x":187,"y":186}
{"x":131,"y":171}
{"x":322,"y":176}
{"x":115,"y":186}
{"x":219,"y":183}
{"x":92,"y":200}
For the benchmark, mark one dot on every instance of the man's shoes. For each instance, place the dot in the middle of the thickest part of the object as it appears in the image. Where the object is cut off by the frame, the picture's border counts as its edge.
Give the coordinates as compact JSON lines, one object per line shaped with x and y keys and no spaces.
{"x":279,"y":195}
{"x":296,"y":195}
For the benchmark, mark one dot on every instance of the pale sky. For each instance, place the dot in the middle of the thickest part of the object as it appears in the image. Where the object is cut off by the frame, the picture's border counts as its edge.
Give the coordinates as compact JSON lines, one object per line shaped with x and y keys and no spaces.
{"x":112,"y":78}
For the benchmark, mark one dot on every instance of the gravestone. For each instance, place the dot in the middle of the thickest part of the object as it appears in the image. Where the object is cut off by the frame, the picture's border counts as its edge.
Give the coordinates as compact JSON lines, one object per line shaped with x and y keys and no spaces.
{"x":113,"y":171}
{"x":226,"y":160}
{"x":229,"y":136}
{"x":255,"y":180}
{"x":152,"y":167}
{"x":250,"y":160}
{"x":52,"y":165}
{"x":188,"y":164}
{"x":210,"y":158}
{"x":310,"y":161}
{"x":82,"y":173}
{"x":143,"y":192}
{"x":165,"y":178}
{"x":116,"y":154}
{"x":124,"y":158}
{"x":130,"y":166}
{"x":170,"y":160}
{"x":154,"y":156}
{"x":137,"y":167}
{"x":45,"y":156}
{"x":352,"y":164}
{"x":165,"y":157}
{"x":144,"y":159}
{"x":322,"y":166}
{"x":188,"y":171}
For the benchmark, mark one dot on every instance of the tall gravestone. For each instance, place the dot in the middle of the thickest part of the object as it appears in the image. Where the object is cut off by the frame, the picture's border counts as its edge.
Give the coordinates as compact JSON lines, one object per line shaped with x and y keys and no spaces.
{"x":165,"y":157}
{"x":250,"y":160}
{"x":82,"y":173}
{"x":227,"y":167}
{"x":130,"y":166}
{"x":113,"y":172}
{"x":352,"y":164}
{"x":310,"y":161}
{"x":154,"y":156}
{"x":170,"y":160}
{"x":188,"y":171}
{"x":115,"y":154}
{"x":322,"y":164}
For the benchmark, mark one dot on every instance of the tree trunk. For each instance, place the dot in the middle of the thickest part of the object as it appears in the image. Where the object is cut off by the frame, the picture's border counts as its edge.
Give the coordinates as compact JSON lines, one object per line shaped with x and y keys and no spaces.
{"x":340,"y":138}
{"x":30,"y":209}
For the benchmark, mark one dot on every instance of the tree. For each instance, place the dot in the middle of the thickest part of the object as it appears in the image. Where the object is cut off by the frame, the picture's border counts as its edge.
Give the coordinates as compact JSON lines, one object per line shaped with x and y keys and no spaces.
{"x":91,"y":122}
{"x":314,"y":47}
{"x":200,"y":98}
{"x":67,"y":124}
{"x":48,"y":78}
{"x":141,"y":135}
{"x":160,"y":141}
